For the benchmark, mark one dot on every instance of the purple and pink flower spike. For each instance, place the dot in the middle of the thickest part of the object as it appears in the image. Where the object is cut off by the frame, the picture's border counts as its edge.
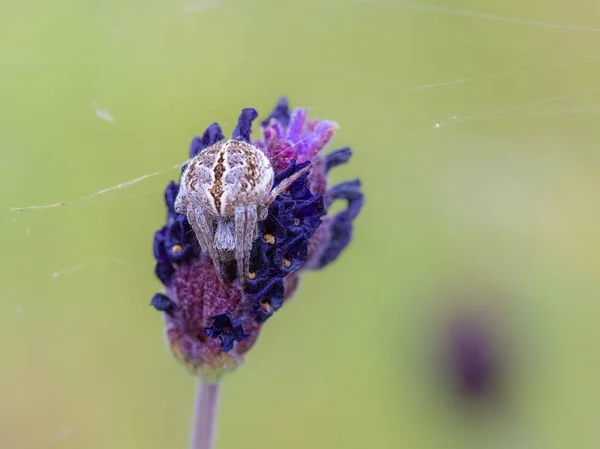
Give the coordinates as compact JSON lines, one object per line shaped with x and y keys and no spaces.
{"x":211,"y":324}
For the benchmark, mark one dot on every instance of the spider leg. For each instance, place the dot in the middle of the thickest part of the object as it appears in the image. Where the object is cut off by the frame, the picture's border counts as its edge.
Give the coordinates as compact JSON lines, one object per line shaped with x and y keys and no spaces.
{"x":205,"y":233}
{"x":180,"y":204}
{"x":284,"y":185}
{"x":245,"y":233}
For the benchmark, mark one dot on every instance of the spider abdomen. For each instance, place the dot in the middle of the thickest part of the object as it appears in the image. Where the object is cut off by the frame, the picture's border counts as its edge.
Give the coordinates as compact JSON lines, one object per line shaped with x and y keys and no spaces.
{"x":228,"y":174}
{"x":248,"y":177}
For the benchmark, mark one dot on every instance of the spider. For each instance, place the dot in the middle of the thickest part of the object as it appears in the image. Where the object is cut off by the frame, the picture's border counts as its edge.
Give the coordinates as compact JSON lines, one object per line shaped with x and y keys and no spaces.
{"x":225,"y":191}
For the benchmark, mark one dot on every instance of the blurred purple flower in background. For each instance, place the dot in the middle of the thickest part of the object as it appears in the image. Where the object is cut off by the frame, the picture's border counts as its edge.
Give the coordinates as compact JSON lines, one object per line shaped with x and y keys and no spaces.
{"x":475,"y":347}
{"x":473,"y":360}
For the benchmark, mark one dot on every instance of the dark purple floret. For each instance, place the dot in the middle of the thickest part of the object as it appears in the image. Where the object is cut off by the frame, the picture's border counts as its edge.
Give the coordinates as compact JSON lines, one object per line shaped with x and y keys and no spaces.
{"x":293,"y":218}
{"x":174,"y":243}
{"x":164,"y":270}
{"x":227,"y":329}
{"x":341,"y":224}
{"x":212,"y":135}
{"x":265,"y":292}
{"x":244,"y":126}
{"x":170,"y":194}
{"x":350,"y":191}
{"x":180,"y":242}
{"x":281,"y":113}
{"x":162,"y":303}
{"x":337,"y":157}
{"x":289,"y":171}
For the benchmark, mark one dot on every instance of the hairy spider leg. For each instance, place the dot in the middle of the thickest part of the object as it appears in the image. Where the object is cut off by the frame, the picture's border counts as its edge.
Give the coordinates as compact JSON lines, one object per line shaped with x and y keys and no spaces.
{"x":205,"y":233}
{"x":285,"y":184}
{"x":245,"y":233}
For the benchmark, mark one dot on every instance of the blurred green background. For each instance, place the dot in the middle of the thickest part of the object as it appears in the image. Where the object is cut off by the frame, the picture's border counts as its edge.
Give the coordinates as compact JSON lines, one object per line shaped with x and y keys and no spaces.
{"x":493,"y":211}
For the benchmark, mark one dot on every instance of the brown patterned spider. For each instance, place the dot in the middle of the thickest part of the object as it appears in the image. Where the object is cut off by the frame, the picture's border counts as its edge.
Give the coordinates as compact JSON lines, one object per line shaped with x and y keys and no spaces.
{"x":224,"y":191}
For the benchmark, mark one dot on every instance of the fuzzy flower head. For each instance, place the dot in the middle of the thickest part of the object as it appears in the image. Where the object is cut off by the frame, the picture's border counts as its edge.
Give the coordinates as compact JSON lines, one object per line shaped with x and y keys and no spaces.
{"x":228,"y":260}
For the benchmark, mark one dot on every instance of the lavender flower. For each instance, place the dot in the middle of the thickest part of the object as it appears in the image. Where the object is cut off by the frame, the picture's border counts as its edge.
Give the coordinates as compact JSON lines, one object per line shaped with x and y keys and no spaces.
{"x":212,"y":318}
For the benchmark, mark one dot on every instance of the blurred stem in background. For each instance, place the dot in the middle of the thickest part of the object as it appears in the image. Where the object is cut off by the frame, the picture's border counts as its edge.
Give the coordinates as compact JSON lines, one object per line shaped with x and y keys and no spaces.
{"x":205,"y":412}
